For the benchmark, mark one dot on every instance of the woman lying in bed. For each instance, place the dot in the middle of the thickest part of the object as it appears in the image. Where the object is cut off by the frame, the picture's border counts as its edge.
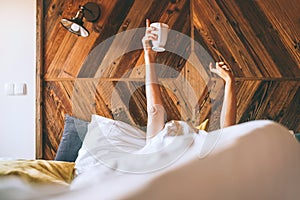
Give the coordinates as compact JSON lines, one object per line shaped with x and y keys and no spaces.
{"x":234,"y":162}
{"x":159,"y":135}
{"x":103,"y":145}
{"x":155,"y":106}
{"x":253,"y":160}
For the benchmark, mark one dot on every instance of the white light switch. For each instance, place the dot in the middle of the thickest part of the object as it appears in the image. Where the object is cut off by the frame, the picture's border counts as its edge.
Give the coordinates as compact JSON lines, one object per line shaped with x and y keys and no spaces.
{"x":20,"y":89}
{"x":12,"y":89}
{"x":9,"y":88}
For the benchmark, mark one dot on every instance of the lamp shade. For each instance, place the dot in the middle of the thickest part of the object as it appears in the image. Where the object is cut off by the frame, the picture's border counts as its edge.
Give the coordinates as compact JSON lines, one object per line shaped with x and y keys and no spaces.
{"x":91,"y":11}
{"x":75,"y":26}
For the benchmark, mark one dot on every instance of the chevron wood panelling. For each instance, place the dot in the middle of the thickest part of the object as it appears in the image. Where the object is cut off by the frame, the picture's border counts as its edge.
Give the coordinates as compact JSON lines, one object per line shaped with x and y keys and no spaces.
{"x":259,"y":39}
{"x":240,"y":33}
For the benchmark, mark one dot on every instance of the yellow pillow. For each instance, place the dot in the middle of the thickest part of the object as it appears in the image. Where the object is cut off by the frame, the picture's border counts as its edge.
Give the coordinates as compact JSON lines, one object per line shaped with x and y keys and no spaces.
{"x":203,"y":125}
{"x":39,"y":171}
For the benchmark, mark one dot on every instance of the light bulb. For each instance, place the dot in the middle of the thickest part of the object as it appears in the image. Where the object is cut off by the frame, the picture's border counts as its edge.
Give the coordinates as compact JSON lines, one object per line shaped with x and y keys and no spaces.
{"x":75,"y":27}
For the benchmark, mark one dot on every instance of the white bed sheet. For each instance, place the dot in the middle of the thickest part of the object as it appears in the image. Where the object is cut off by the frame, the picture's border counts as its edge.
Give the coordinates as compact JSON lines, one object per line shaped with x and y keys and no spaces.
{"x":254,"y":160}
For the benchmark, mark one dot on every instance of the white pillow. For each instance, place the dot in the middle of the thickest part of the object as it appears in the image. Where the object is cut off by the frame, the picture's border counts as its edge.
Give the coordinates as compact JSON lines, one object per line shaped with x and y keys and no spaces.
{"x":107,"y":140}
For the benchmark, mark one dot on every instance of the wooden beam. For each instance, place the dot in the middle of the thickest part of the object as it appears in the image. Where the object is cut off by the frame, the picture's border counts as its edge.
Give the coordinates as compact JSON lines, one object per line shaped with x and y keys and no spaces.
{"x":39,"y":81}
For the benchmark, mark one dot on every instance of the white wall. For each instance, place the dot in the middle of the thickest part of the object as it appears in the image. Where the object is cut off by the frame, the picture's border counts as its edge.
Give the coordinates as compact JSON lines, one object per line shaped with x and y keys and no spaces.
{"x":17,"y":65}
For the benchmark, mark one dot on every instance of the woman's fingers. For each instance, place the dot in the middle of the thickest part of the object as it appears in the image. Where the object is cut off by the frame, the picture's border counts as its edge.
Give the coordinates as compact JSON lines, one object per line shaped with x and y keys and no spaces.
{"x":225,"y":67}
{"x":210,"y":66}
{"x":214,"y":70}
{"x":222,"y":70}
{"x":148,"y":36}
{"x":222,"y":65}
{"x":151,"y":30}
{"x":147,"y":23}
{"x":152,"y":36}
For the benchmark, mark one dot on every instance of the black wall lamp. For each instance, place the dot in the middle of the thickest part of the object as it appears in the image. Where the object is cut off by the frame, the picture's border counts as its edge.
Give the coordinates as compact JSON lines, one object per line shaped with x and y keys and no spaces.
{"x":90,"y":11}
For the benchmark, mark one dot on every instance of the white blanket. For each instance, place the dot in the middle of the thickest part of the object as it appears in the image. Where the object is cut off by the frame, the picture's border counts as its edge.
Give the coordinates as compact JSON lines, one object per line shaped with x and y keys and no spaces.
{"x":254,"y":160}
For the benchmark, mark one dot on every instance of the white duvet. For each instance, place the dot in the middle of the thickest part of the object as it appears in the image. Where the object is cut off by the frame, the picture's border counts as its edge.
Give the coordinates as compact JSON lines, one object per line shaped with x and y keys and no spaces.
{"x":253,"y":160}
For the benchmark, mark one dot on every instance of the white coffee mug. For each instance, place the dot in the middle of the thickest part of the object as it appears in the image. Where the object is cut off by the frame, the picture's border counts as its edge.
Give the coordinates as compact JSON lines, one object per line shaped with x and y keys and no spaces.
{"x":162,"y":31}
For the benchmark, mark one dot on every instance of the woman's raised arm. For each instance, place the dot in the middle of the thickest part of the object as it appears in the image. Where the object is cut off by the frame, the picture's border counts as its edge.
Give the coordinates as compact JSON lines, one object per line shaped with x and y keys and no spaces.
{"x":154,"y":99}
{"x":228,"y":112}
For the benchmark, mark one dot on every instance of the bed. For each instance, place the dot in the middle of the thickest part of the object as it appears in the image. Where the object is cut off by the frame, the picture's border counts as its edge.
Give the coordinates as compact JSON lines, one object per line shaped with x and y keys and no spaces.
{"x":253,"y":160}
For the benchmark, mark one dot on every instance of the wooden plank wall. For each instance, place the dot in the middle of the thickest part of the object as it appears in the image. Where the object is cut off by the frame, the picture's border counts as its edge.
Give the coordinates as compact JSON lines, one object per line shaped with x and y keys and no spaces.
{"x":259,"y":39}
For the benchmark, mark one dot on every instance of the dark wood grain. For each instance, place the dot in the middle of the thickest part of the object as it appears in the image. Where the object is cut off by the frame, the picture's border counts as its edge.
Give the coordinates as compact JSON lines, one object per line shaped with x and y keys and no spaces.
{"x":284,"y":18}
{"x":269,"y":38}
{"x":111,"y":27}
{"x":258,"y":39}
{"x":273,"y":100}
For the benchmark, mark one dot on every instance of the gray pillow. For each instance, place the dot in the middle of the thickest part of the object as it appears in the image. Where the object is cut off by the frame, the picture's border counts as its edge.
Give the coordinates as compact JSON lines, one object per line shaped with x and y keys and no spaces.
{"x":74,"y":133}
